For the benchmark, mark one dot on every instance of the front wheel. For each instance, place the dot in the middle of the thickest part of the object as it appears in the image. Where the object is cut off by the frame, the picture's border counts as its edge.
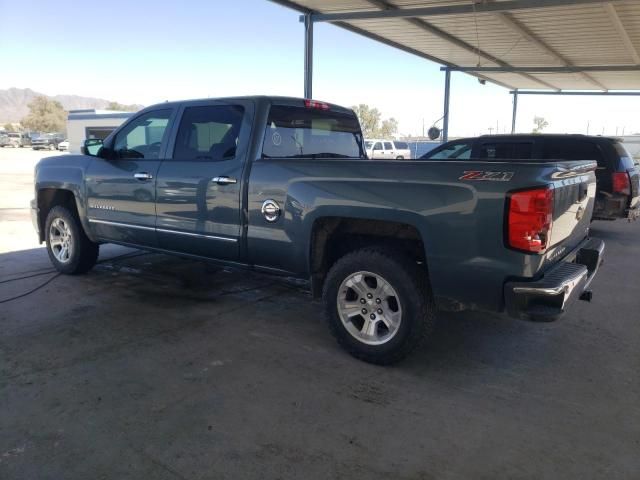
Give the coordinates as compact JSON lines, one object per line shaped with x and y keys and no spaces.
{"x":69,"y":248}
{"x":399,"y":157}
{"x":378,"y":305}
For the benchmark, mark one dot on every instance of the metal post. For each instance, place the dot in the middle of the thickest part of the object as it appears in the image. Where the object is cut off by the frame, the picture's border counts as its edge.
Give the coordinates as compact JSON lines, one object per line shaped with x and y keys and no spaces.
{"x":515,"y":111}
{"x":445,"y":121}
{"x":308,"y":56}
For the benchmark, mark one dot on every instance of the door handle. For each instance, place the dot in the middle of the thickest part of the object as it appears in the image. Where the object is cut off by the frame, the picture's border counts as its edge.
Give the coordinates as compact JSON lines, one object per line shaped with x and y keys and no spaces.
{"x":224,"y":180}
{"x":142,"y":176}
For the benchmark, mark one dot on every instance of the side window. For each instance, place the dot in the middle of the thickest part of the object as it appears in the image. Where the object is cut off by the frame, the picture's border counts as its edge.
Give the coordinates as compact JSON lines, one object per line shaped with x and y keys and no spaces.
{"x":209,"y":133}
{"x":401,"y":145}
{"x":142,"y":137}
{"x":507,"y":150}
{"x":570,"y":149}
{"x":453,"y":151}
{"x":388,"y":146}
{"x":377,"y":146}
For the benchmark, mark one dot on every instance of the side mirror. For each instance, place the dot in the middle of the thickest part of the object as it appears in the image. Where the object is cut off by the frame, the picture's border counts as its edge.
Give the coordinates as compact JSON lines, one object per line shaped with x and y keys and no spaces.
{"x":92,"y":146}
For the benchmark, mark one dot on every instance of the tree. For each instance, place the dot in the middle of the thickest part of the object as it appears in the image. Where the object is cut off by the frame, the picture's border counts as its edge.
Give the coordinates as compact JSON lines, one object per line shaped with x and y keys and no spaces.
{"x":540,"y":124}
{"x":9,"y":127}
{"x":370,"y":122}
{"x":122,"y":108}
{"x":45,"y":115}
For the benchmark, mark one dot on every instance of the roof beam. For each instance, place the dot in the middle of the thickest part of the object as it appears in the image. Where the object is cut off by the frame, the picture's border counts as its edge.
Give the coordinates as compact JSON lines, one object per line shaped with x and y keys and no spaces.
{"x":424,"y":25}
{"x":517,"y":27}
{"x":534,"y":69}
{"x":470,"y":7}
{"x":624,"y":35}
{"x":578,"y":93}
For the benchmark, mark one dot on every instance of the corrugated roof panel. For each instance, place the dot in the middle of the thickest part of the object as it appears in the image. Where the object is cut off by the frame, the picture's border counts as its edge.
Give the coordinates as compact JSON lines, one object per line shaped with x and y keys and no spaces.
{"x":576,"y":35}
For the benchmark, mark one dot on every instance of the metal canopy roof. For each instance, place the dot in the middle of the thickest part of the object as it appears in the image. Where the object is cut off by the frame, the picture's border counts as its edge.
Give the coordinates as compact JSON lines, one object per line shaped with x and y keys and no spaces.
{"x":519,"y":44}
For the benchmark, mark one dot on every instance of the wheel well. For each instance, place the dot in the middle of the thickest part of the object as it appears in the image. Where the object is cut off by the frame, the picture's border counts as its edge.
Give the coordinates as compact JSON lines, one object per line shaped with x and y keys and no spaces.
{"x":333,"y":237}
{"x":52,"y":197}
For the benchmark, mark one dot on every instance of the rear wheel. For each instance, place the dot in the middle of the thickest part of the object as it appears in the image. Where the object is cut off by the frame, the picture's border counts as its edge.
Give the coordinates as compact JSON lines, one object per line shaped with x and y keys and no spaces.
{"x":378,"y":305}
{"x":69,"y":248}
{"x":399,"y":157}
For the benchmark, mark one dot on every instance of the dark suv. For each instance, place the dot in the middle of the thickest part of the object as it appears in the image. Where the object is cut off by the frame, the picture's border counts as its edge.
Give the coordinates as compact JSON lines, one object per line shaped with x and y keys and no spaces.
{"x":47,"y":141}
{"x":618,"y":179}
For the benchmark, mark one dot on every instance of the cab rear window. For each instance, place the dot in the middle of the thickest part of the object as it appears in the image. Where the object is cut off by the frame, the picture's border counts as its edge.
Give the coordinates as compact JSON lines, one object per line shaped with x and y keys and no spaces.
{"x":300,"y":132}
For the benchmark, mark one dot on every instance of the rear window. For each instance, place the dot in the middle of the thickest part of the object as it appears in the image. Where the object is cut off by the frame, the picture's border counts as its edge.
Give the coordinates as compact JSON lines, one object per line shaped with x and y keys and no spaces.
{"x":626,"y":159}
{"x":507,"y":150}
{"x":299,"y":132}
{"x":401,"y":145}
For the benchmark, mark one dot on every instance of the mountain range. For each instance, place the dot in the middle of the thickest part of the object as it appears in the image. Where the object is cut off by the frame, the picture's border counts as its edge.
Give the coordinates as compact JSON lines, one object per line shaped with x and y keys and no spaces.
{"x":14,"y":103}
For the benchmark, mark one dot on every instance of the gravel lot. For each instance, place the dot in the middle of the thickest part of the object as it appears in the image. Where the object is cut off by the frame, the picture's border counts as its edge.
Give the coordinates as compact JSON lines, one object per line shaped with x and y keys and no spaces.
{"x":160,"y":368}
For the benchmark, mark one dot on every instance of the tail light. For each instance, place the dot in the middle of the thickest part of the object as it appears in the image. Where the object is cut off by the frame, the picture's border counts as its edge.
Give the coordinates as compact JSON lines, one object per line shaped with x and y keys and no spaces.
{"x":316,"y":104}
{"x":529,"y":221}
{"x":621,"y":183}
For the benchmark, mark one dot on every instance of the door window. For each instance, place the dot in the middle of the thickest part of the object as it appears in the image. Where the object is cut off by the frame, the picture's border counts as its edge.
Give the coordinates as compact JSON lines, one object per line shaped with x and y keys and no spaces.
{"x":142,"y":138}
{"x":388,"y":146}
{"x":209,"y":133}
{"x":507,"y":150}
{"x":377,"y":146}
{"x":452,"y":151}
{"x":401,"y":145}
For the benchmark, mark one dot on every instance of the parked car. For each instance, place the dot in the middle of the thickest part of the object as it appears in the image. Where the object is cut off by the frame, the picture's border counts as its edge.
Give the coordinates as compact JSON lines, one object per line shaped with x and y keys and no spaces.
{"x":387,"y":149}
{"x":283,"y":186}
{"x":15,"y":139}
{"x":64,"y":145}
{"x":618,"y":193}
{"x":47,"y":141}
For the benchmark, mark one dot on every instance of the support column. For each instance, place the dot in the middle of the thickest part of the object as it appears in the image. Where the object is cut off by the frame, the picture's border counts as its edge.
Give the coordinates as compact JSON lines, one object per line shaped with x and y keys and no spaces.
{"x":515,"y":111}
{"x":308,"y":56}
{"x":445,"y":122}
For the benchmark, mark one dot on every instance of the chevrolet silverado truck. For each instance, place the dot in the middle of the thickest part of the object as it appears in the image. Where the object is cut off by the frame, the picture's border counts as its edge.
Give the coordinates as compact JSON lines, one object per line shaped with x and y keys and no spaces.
{"x":284,"y":186}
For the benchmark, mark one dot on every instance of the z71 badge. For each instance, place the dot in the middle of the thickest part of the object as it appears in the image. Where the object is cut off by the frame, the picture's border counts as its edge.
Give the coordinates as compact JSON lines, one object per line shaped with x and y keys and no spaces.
{"x":487,"y":176}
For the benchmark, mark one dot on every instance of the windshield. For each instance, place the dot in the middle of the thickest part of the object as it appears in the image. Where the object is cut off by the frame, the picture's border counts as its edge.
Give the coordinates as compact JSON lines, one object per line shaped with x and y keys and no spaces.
{"x":300,"y":132}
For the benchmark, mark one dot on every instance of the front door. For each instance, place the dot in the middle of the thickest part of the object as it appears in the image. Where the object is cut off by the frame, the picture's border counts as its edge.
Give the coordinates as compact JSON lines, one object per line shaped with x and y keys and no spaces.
{"x":389,"y":152}
{"x":121,"y":189}
{"x":200,"y":184}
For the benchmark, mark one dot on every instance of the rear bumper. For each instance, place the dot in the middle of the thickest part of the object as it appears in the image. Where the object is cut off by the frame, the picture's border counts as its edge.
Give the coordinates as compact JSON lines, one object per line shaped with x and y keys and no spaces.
{"x":549,"y":297}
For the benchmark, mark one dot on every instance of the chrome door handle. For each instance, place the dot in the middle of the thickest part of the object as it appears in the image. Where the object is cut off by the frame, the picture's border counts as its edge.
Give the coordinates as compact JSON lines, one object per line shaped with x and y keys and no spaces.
{"x":142,"y":176}
{"x":224,"y":180}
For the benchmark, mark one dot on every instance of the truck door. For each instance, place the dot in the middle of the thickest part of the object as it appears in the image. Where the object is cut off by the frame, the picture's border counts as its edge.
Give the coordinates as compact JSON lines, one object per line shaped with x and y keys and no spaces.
{"x":200,"y":183}
{"x":121,"y":189}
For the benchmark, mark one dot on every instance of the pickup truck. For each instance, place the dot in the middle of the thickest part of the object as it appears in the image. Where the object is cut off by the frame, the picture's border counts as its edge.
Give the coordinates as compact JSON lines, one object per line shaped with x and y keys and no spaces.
{"x":284,"y":186}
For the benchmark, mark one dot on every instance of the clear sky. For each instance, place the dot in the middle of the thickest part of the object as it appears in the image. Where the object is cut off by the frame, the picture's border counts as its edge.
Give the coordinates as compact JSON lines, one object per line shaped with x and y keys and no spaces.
{"x":149,"y":51}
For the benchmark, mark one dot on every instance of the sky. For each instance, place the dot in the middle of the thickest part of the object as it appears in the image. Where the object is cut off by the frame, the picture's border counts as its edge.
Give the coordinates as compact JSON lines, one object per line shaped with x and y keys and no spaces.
{"x":149,"y":51}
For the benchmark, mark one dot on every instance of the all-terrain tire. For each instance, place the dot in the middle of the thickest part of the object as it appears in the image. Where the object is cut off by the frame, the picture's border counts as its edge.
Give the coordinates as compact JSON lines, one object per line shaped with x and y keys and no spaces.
{"x":411,"y":284}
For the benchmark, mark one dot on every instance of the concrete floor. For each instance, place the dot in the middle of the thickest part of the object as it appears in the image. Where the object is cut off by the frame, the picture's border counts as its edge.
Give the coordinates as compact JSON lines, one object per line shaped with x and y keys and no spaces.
{"x":157,"y":367}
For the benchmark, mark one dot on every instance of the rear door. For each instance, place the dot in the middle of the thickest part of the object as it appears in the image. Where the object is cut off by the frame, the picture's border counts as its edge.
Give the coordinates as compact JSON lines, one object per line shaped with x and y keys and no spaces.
{"x":200,"y":183}
{"x":121,"y":189}
{"x":389,"y":151}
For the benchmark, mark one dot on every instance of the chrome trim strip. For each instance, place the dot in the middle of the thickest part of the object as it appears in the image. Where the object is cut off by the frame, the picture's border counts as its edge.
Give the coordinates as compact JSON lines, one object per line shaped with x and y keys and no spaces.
{"x":118,"y":224}
{"x":163,"y":230}
{"x":197,"y":235}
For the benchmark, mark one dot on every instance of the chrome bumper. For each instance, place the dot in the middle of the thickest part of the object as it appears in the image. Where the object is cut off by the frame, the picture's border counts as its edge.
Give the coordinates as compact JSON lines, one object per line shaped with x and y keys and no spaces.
{"x":549,"y":297}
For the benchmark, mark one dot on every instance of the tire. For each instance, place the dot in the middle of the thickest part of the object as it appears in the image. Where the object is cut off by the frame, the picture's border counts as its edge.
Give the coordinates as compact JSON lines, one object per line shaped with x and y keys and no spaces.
{"x":52,"y":147}
{"x":63,"y":227}
{"x":399,"y":157}
{"x":414,"y":309}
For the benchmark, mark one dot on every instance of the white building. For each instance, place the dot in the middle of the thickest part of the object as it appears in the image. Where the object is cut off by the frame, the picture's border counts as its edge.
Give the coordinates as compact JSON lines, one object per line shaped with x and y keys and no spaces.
{"x":91,"y":123}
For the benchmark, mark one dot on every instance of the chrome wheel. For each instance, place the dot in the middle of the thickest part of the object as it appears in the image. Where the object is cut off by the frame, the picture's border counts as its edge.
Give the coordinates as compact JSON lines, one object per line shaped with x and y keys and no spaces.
{"x":369,"y":308}
{"x":60,"y":240}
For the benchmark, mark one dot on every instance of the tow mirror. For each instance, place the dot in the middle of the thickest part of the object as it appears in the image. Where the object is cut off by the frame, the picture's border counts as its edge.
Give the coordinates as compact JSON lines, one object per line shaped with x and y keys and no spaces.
{"x":92,"y":146}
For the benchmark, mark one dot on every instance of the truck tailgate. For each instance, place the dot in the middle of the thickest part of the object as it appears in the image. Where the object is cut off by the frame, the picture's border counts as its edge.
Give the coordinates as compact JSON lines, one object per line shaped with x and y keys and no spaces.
{"x":574,"y":186}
